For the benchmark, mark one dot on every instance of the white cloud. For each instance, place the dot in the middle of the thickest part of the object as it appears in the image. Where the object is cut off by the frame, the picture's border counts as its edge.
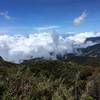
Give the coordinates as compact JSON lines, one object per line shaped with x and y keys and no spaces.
{"x":16,"y":48}
{"x":6,"y":16}
{"x":19,"y":47}
{"x":47,"y":27}
{"x":80,"y":37}
{"x":80,"y":19}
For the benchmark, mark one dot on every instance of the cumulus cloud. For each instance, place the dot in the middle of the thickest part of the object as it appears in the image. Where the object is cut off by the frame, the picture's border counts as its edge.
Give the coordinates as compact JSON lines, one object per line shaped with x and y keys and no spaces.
{"x":15,"y":48}
{"x":80,"y":37}
{"x":80,"y":19}
{"x":5,"y":15}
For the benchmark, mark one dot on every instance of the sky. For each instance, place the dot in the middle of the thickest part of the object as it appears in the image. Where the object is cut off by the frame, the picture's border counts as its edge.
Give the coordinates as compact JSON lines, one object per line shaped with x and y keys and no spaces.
{"x":28,"y":16}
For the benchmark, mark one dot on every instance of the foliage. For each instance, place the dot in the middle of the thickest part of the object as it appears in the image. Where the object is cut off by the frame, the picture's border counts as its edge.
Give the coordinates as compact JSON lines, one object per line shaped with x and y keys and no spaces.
{"x":49,"y":80}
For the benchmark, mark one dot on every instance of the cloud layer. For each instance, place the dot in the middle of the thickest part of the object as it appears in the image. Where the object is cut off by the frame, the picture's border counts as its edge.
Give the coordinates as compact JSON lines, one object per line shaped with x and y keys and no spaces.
{"x":16,"y":48}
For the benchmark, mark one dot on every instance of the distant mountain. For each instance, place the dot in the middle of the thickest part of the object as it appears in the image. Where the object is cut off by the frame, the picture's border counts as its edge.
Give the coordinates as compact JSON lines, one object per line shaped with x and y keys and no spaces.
{"x":93,"y":39}
{"x":90,"y":51}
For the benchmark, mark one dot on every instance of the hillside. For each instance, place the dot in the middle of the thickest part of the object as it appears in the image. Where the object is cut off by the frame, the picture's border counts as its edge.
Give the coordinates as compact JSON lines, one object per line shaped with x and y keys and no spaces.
{"x":91,"y":51}
{"x":93,"y":39}
{"x":37,"y":79}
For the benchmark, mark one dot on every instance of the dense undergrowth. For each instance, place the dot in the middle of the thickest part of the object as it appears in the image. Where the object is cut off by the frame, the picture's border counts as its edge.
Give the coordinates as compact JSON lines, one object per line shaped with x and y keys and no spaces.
{"x":50,"y":80}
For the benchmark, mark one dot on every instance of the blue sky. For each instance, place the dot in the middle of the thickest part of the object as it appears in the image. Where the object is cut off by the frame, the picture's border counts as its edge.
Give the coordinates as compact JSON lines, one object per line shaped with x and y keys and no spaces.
{"x":27,"y":16}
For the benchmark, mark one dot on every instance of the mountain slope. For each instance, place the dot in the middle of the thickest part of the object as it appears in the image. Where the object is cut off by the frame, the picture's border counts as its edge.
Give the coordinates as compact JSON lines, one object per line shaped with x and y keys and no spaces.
{"x":91,"y":51}
{"x":93,"y":39}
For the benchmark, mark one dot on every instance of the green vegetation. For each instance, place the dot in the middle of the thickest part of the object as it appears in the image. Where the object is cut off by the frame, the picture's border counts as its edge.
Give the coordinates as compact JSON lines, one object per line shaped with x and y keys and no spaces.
{"x":38,"y":79}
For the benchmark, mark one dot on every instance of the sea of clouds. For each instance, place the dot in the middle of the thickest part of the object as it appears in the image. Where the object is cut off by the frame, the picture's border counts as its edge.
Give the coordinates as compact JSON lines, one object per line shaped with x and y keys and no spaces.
{"x":16,"y":48}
